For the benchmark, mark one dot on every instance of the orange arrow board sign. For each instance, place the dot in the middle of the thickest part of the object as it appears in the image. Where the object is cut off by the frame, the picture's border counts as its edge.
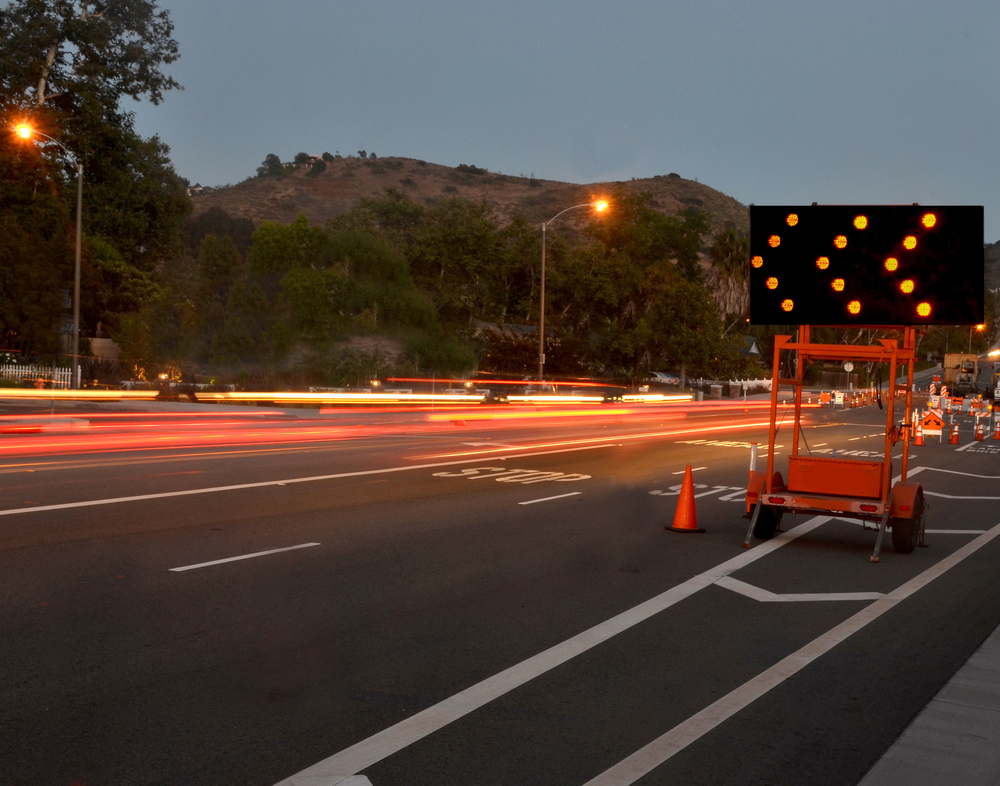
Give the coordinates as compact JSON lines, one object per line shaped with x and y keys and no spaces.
{"x":932,"y":424}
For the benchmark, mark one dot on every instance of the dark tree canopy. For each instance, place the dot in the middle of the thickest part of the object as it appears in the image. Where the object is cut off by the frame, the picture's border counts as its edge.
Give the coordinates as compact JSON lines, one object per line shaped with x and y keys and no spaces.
{"x":73,"y":49}
{"x":65,"y":67}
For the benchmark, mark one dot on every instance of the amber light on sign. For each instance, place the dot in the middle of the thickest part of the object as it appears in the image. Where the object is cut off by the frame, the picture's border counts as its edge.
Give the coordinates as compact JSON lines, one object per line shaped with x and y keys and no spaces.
{"x":924,"y":309}
{"x":824,"y":258}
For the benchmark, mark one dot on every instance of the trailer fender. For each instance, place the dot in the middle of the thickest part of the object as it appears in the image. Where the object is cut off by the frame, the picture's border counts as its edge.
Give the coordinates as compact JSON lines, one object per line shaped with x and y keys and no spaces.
{"x":904,"y":497}
{"x":756,"y":485}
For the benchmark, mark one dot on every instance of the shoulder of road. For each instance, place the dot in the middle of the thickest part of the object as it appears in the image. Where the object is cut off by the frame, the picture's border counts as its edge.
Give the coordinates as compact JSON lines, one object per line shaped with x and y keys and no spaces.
{"x":956,"y":737}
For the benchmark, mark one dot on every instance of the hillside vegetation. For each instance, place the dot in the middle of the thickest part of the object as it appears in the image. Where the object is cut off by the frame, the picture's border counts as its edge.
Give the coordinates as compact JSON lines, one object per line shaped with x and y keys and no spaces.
{"x":445,"y":285}
{"x":344,"y":181}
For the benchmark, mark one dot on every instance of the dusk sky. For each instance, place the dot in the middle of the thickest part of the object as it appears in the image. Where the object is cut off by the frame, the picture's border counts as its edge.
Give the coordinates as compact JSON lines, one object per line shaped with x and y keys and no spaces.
{"x":771,"y":102}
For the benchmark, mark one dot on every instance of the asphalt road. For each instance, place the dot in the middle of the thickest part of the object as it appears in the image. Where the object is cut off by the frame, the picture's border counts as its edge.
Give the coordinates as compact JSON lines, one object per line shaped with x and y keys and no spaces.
{"x":463,"y":602}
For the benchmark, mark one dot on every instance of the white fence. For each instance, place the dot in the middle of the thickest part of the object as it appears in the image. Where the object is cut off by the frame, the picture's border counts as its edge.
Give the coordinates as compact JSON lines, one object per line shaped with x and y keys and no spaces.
{"x":52,"y":377}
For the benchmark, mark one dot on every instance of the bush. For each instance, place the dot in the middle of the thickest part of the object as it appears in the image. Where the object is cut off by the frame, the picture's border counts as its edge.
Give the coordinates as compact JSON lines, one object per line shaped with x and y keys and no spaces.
{"x":319,"y":166}
{"x":440,"y":354}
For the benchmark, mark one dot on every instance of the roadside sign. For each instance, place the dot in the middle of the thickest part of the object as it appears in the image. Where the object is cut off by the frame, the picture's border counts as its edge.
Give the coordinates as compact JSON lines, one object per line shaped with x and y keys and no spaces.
{"x":824,"y":397}
{"x":838,"y":399}
{"x":848,"y":367}
{"x":932,"y":425}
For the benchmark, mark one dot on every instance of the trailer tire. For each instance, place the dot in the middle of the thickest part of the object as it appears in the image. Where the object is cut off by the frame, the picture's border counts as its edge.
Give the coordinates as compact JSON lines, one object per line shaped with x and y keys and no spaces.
{"x":905,"y":532}
{"x":767,"y":522}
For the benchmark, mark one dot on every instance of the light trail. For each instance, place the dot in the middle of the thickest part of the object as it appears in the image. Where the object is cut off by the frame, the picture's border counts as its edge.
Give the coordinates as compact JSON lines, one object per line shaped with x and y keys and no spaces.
{"x":77,"y":395}
{"x":593,"y":440}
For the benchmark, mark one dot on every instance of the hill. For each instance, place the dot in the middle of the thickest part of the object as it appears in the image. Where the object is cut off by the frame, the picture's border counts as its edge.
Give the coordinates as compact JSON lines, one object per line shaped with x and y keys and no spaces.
{"x":336,"y":190}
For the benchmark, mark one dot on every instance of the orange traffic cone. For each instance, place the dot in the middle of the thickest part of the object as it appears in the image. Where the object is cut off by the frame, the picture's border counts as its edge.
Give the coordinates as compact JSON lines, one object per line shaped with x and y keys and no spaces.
{"x":979,"y":431}
{"x":685,"y":519}
{"x":919,"y":439}
{"x":996,"y":428}
{"x":954,"y":434}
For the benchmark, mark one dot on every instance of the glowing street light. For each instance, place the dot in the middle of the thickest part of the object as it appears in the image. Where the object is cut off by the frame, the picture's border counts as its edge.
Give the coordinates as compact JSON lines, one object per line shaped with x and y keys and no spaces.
{"x":980,"y":328}
{"x":600,"y":206}
{"x":26,"y":132}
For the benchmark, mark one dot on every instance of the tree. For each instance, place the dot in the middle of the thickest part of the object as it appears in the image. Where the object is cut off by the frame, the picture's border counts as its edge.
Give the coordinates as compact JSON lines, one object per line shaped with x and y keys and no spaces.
{"x":271,"y":166}
{"x":73,"y":51}
{"x":65,"y":66}
{"x":730,"y":257}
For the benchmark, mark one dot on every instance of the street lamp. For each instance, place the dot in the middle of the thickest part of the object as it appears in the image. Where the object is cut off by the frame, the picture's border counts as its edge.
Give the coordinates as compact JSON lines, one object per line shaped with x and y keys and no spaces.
{"x":980,"y":328}
{"x":600,"y":206}
{"x":26,"y":132}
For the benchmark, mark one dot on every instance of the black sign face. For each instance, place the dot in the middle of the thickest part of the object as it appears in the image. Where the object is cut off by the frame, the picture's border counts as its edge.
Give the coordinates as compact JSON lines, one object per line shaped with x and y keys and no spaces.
{"x":866,"y":265}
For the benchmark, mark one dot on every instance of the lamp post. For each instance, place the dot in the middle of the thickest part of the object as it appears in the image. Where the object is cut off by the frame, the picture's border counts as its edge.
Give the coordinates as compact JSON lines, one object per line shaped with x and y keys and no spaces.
{"x":601,"y":206}
{"x":26,"y":132}
{"x":980,"y":328}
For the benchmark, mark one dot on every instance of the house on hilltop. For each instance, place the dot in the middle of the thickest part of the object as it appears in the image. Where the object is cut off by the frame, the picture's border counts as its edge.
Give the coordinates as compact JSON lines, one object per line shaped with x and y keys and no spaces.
{"x":198,"y":189}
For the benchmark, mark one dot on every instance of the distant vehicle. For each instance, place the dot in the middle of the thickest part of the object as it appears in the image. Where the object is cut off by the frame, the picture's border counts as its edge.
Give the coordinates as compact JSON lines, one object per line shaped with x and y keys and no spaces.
{"x":663,"y":378}
{"x":960,"y":371}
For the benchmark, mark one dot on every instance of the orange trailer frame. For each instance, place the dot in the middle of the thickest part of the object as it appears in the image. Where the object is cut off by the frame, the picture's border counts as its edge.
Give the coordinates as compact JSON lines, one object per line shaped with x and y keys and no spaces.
{"x":843,"y":487}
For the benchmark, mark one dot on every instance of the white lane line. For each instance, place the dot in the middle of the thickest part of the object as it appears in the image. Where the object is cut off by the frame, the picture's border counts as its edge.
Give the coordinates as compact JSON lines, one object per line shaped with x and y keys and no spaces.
{"x":964,"y":447}
{"x":693,"y":469}
{"x":952,"y":496}
{"x":966,"y":474}
{"x":820,"y":444}
{"x":954,"y":531}
{"x":765,"y":596}
{"x":364,"y":754}
{"x":546,"y":499}
{"x":287,"y":481}
{"x":646,"y":759}
{"x":244,"y":556}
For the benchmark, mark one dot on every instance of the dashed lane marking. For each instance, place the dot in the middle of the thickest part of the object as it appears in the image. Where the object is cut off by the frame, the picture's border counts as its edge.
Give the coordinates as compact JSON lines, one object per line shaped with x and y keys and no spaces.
{"x":693,"y":469}
{"x":547,"y":499}
{"x":244,"y":556}
{"x":266,"y":483}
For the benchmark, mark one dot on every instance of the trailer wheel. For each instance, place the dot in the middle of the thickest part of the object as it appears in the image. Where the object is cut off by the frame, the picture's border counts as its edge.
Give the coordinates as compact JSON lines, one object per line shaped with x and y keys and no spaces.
{"x":906,"y":531}
{"x":767,"y":522}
